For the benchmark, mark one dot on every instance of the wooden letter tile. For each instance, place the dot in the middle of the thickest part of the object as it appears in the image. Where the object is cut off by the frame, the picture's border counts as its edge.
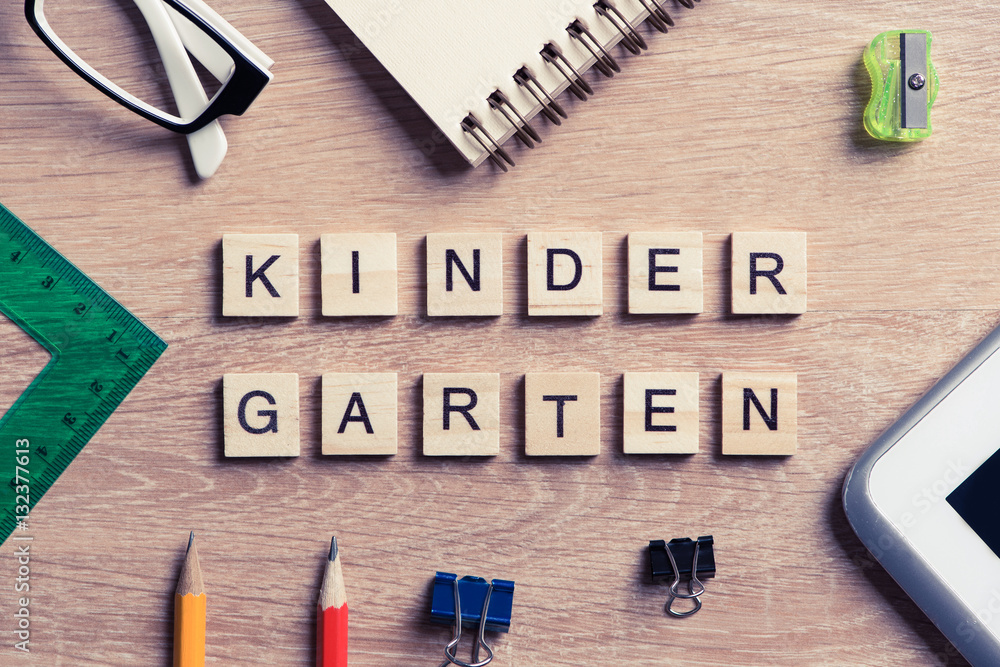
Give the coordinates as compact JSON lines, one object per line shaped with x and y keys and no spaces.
{"x":562,"y":414}
{"x":759,"y":413}
{"x":769,"y":273}
{"x":464,"y":275}
{"x":260,"y":275}
{"x":461,"y":414}
{"x":565,"y":274}
{"x":661,"y":413}
{"x":358,"y":274}
{"x":359,"y":413}
{"x":261,"y":413}
{"x":664,"y":273}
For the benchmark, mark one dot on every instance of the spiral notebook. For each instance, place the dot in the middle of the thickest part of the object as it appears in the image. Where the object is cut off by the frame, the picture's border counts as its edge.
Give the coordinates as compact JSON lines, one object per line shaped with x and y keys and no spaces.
{"x":483,"y":69}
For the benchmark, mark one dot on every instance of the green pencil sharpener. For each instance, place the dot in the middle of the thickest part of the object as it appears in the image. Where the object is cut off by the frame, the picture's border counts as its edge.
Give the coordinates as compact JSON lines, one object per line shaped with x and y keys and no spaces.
{"x":904,"y":85}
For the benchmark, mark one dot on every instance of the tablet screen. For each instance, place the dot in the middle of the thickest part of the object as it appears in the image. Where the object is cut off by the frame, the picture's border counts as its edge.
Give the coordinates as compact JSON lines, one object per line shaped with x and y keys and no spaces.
{"x":977,"y":500}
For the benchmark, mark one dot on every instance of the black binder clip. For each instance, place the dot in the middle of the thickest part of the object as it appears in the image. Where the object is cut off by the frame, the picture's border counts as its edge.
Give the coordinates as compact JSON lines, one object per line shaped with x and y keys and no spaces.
{"x":697,"y":562}
{"x":477,"y":602}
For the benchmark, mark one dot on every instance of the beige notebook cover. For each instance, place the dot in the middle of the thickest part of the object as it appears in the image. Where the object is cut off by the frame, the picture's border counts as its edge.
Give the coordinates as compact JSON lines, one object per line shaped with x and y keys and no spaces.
{"x":451,"y":55}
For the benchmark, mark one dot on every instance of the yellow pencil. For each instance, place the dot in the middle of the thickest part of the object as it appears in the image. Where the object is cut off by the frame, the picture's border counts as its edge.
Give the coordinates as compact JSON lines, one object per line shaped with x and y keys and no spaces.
{"x":189,"y":612}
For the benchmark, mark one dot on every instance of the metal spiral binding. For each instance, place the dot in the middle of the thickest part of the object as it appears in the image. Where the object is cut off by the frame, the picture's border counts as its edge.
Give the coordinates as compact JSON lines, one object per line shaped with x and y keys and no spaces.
{"x":553,"y":55}
{"x":603,"y":60}
{"x":524,"y":131}
{"x":550,"y":108}
{"x":658,"y":16}
{"x":631,"y":39}
{"x":472,"y":125}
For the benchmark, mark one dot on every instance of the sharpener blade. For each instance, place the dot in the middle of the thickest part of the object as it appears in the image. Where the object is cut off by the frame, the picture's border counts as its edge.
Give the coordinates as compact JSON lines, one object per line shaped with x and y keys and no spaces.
{"x":913,"y":54}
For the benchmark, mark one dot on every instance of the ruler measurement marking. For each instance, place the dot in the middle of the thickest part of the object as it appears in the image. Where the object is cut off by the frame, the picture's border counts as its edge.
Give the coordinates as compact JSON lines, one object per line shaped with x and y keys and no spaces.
{"x":86,"y":328}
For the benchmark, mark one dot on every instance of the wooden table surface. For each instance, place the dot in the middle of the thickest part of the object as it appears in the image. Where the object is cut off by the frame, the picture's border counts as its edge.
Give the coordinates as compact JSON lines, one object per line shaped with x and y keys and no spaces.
{"x":747,"y":116}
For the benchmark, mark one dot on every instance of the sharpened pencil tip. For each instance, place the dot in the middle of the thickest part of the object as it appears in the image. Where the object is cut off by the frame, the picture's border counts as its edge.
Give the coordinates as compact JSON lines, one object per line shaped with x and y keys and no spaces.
{"x":333,"y":547}
{"x":190,"y":540}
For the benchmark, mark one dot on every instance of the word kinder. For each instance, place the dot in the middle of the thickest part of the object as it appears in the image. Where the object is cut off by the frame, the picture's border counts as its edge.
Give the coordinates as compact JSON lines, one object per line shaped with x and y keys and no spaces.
{"x":260,"y":274}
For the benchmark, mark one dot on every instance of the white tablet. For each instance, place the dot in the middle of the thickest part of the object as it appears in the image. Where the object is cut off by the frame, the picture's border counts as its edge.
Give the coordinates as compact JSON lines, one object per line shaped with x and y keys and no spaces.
{"x":925,"y":500}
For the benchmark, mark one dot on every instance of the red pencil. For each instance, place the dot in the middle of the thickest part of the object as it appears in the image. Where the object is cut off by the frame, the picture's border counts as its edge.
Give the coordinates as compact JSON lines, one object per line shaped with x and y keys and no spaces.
{"x":331,"y":617}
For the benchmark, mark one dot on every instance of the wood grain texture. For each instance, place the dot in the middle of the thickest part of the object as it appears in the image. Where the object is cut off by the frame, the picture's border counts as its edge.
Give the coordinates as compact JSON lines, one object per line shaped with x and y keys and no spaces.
{"x":666,"y":273}
{"x":562,"y":414}
{"x":746,"y":116}
{"x":461,"y":414}
{"x":260,"y":414}
{"x":260,"y":275}
{"x":769,"y":272}
{"x":464,"y":275}
{"x":359,"y":414}
{"x":359,"y":274}
{"x":565,"y":273}
{"x":660,"y":413}
{"x":759,"y":413}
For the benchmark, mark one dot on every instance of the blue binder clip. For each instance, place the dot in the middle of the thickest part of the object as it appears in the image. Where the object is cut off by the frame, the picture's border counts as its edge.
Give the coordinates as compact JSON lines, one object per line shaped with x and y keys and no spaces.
{"x":477,"y":602}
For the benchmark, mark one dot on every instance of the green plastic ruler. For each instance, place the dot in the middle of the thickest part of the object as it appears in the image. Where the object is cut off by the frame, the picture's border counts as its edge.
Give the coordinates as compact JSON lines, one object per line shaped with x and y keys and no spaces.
{"x":99,"y":352}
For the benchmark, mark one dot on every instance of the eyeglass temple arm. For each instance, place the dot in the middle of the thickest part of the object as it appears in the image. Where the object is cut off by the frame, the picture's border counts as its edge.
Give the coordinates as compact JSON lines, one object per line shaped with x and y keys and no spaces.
{"x":243,"y":83}
{"x":220,"y":24}
{"x":202,"y":47}
{"x":208,"y":145}
{"x":184,"y":81}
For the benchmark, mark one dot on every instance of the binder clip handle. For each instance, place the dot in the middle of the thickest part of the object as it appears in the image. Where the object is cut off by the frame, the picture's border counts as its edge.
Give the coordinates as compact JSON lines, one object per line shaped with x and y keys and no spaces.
{"x":694,"y":583}
{"x":695,"y":587}
{"x":452,"y":647}
{"x":696,"y":556}
{"x":683,"y":614}
{"x":471,"y":601}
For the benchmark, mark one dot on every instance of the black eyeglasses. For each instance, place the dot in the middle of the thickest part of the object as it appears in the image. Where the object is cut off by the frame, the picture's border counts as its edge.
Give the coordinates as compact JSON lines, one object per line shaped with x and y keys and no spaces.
{"x":177,"y":29}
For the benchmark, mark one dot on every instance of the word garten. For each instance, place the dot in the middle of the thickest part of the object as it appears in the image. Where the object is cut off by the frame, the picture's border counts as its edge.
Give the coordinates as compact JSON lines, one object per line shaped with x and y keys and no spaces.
{"x":462,"y":417}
